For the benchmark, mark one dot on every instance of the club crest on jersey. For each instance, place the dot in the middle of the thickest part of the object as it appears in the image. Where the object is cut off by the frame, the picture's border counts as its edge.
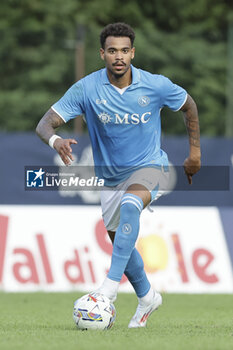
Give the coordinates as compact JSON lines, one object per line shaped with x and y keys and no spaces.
{"x":143,"y":101}
{"x":104,"y":117}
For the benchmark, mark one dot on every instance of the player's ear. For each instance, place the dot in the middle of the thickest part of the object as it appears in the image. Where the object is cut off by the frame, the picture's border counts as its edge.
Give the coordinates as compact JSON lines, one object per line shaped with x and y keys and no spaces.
{"x":132,"y":52}
{"x":102,"y":53}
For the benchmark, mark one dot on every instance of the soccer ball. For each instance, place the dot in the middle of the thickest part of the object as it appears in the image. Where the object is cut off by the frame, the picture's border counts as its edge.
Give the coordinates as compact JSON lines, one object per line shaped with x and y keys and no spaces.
{"x":94,"y":311}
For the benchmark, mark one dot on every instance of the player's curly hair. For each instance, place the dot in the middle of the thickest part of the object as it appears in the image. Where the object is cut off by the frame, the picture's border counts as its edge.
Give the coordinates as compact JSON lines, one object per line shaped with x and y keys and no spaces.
{"x":117,"y":29}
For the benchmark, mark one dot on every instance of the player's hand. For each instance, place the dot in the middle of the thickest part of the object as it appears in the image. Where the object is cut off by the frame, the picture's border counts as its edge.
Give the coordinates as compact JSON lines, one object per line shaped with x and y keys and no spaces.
{"x":191,"y":167}
{"x":63,"y":148}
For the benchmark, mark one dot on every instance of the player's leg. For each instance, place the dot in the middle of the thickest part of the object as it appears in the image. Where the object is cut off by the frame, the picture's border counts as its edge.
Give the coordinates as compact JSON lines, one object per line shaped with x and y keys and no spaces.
{"x":135,"y":272}
{"x":148,"y":299}
{"x":131,"y":204}
{"x":111,"y":208}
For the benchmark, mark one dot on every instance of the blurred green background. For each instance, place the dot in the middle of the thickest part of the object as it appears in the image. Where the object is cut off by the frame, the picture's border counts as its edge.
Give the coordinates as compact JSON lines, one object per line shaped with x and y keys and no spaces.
{"x":42,"y":43}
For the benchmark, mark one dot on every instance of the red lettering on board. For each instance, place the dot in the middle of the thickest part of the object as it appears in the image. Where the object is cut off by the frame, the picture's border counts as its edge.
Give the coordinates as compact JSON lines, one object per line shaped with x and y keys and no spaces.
{"x":180,"y":258}
{"x":3,"y":239}
{"x":201,"y":268}
{"x":76,"y":265}
{"x":44,"y":258}
{"x":29,"y":264}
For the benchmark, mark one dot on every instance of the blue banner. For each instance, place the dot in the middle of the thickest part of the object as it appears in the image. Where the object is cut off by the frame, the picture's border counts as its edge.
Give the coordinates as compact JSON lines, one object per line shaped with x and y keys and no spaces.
{"x":212,"y":186}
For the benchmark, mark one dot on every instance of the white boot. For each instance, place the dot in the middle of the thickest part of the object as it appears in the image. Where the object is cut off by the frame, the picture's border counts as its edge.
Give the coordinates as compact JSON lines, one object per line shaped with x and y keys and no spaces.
{"x":144,"y":310}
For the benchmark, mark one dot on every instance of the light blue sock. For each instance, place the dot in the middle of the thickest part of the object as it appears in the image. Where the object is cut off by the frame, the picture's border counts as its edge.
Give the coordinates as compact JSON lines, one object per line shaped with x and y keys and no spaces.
{"x":126,"y":235}
{"x":136,"y":274}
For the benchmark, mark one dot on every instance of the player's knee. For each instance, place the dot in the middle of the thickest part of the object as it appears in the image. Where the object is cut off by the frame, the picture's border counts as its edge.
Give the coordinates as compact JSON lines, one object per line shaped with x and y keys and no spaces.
{"x":130,"y":202}
{"x":128,"y":211}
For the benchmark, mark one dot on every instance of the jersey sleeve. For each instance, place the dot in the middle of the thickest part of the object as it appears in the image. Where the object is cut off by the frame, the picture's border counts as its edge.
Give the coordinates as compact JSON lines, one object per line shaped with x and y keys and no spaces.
{"x":172,"y":95}
{"x":72,"y":103}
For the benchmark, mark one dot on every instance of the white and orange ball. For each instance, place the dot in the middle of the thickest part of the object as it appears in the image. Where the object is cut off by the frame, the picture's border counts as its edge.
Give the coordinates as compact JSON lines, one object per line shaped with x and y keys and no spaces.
{"x":94,"y":311}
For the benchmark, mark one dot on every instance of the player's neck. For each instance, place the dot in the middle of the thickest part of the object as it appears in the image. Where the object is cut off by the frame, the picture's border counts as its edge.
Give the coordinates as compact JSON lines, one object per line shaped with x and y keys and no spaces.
{"x":120,"y":81}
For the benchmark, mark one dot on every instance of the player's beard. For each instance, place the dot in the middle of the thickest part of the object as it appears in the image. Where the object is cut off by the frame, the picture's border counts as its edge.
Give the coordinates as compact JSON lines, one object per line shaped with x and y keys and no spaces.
{"x":120,"y":74}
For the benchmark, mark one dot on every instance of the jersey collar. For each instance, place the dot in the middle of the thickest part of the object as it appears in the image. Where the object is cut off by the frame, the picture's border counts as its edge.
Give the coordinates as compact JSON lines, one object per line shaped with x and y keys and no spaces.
{"x":135,"y":76}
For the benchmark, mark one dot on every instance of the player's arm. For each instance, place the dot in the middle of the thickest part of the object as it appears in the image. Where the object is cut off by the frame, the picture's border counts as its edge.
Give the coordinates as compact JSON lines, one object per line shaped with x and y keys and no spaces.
{"x":192,"y":163}
{"x":46,"y":131}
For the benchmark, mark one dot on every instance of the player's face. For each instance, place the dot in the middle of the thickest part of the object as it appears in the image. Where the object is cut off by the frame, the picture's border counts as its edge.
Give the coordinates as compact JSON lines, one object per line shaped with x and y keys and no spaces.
{"x":117,"y":55}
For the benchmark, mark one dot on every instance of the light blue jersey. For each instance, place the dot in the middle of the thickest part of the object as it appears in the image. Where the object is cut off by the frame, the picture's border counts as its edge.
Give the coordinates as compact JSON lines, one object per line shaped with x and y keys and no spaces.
{"x":124,"y":129}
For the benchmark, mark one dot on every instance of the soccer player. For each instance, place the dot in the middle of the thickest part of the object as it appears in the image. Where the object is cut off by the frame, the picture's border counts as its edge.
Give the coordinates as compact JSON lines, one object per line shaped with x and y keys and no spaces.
{"x":122,"y":106}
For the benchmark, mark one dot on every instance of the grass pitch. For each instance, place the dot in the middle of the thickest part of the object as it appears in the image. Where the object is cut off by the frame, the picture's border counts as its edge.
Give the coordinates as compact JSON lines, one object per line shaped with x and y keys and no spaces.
{"x":44,"y":321}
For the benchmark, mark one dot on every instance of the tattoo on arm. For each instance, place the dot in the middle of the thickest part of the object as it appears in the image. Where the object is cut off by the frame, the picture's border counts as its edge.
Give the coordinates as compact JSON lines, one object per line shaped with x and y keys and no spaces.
{"x":192,"y":122}
{"x":48,"y":124}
